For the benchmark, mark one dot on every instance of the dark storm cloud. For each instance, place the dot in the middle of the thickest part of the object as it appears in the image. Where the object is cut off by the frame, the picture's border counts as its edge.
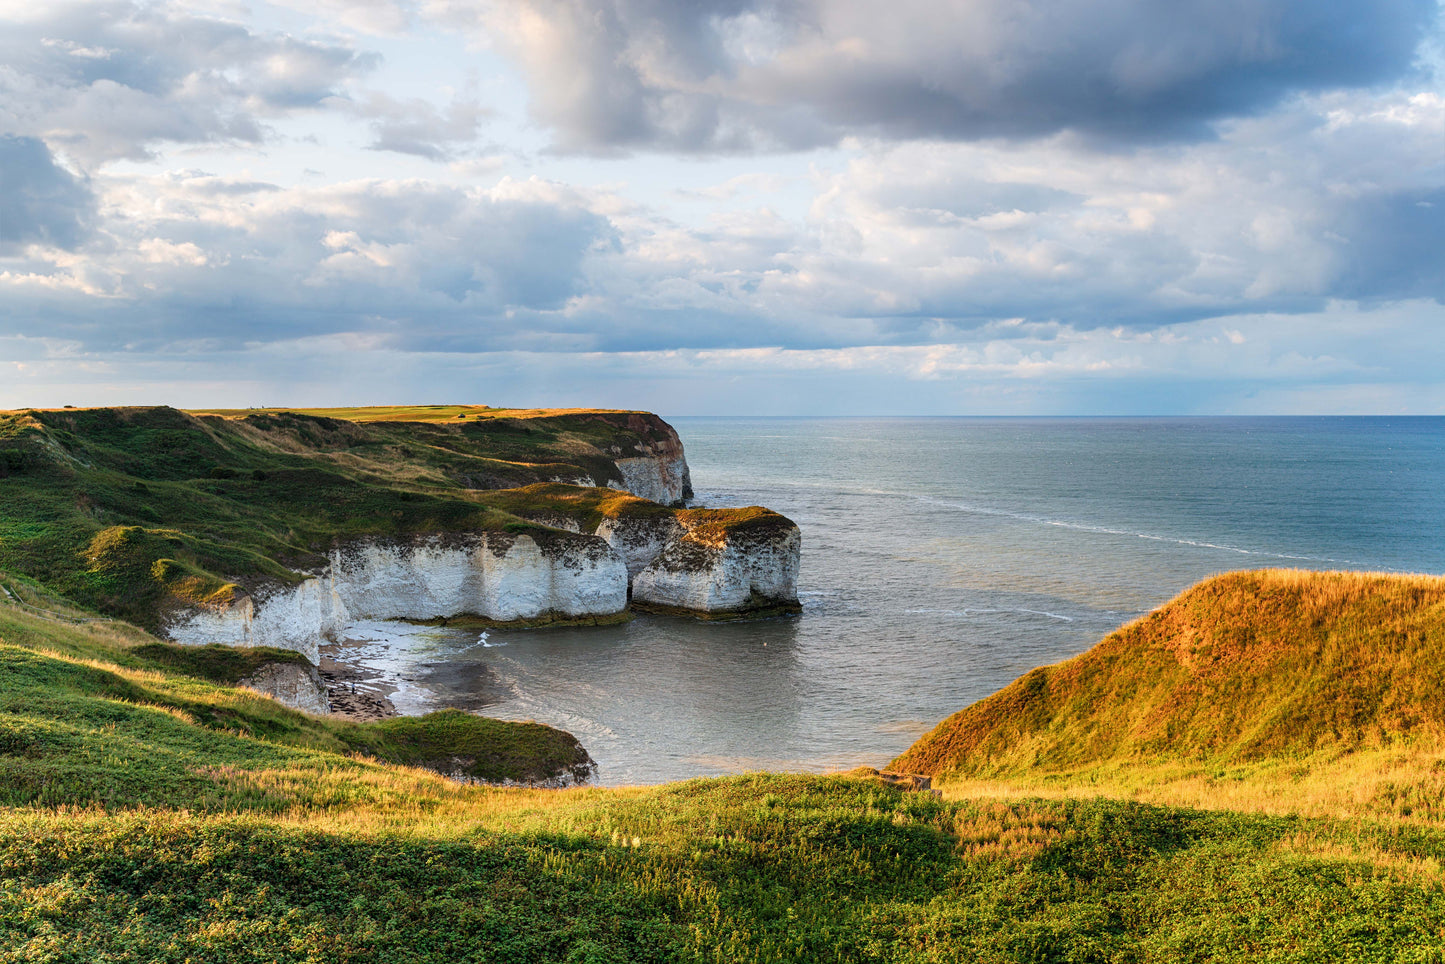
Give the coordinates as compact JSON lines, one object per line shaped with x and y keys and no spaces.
{"x":110,"y":80}
{"x":1394,"y":247}
{"x":40,"y":201}
{"x":728,"y":75}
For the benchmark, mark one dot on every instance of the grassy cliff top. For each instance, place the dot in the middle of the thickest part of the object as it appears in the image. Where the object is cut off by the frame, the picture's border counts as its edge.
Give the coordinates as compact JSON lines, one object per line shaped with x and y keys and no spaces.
{"x":129,"y":510}
{"x":415,"y":413}
{"x":1260,"y":681}
{"x":369,"y":413}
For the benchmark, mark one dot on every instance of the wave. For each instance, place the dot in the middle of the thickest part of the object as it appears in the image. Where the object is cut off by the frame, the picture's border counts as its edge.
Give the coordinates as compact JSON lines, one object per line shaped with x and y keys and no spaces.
{"x":1074,"y":525}
{"x":1128,"y":533}
{"x":973,"y":611}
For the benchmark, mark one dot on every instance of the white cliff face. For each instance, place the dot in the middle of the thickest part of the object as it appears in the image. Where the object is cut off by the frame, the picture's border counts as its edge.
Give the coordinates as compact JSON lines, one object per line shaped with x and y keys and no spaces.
{"x":744,"y":572}
{"x":661,"y":478}
{"x":293,"y":618}
{"x":639,"y":540}
{"x":496,"y":576}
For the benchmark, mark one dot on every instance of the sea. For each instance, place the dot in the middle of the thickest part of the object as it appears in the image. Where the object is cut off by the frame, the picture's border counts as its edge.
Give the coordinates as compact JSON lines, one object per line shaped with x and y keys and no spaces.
{"x":942,"y":558}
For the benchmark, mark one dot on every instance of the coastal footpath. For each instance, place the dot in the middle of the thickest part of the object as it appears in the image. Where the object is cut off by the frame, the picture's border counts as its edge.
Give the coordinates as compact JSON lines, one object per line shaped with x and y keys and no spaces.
{"x":279,"y":527}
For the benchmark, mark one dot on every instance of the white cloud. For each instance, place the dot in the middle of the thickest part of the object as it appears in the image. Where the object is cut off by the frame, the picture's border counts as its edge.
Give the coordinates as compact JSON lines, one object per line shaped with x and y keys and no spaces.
{"x":108,"y":80}
{"x":1066,"y":249}
{"x":734,"y":75}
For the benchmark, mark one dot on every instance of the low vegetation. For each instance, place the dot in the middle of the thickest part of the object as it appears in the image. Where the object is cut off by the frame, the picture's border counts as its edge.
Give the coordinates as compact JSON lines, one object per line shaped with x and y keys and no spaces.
{"x":100,"y":713}
{"x":148,"y":813}
{"x":134,"y":512}
{"x":1278,"y":690}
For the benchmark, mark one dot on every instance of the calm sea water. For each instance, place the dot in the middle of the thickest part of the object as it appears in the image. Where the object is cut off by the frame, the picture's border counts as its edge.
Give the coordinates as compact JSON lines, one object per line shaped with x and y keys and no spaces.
{"x":942,"y":559}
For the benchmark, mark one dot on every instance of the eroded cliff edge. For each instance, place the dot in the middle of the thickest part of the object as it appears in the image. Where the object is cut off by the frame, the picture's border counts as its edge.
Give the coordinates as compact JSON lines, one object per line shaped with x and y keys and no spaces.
{"x":278,"y":527}
{"x":709,"y":563}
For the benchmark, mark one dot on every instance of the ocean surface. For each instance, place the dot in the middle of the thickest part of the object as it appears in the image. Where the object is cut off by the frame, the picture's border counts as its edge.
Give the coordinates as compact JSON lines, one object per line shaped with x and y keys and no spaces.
{"x":942,"y":558}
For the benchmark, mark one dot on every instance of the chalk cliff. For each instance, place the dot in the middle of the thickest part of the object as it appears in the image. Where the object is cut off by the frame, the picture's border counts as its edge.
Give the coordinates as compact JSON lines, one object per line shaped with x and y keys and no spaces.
{"x":639,"y":539}
{"x":286,"y":617}
{"x":496,"y":576}
{"x":726,"y":562}
{"x":719,"y":569}
{"x":706,"y":561}
{"x":279,"y":527}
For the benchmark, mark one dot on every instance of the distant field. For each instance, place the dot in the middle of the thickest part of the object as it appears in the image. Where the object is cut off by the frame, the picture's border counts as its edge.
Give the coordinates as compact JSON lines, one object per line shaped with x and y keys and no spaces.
{"x":378,"y":413}
{"x":407,"y":413}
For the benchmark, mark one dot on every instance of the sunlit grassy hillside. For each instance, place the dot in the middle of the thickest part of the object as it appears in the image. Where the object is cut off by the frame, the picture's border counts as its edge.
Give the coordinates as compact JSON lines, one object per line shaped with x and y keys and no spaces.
{"x":149,"y":814}
{"x":1283,"y":690}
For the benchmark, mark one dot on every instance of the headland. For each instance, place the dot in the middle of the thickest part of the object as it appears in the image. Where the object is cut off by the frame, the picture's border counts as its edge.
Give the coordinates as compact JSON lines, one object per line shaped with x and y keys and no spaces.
{"x":1251,"y":772}
{"x":277,"y":527}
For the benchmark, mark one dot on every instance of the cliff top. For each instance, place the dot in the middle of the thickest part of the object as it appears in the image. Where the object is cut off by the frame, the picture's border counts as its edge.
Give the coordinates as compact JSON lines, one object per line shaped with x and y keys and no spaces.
{"x":361,"y":413}
{"x":130,"y":510}
{"x":414,"y":413}
{"x":1247,"y":672}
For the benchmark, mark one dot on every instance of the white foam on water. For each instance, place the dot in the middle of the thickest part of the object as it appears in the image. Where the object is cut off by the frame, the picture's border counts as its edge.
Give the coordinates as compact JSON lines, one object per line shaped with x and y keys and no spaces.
{"x":965,"y":613}
{"x":1069,"y":524}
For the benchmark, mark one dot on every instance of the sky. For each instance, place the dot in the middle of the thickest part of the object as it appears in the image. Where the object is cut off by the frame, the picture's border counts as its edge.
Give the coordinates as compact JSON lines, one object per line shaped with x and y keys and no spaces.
{"x":750,"y":207}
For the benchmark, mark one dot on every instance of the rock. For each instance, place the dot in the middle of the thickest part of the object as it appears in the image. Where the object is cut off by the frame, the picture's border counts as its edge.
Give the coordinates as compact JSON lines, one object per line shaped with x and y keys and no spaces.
{"x":639,"y":540}
{"x":297,"y":685}
{"x":906,"y":781}
{"x":726,"y":570}
{"x":497,"y":576}
{"x":662,"y":478}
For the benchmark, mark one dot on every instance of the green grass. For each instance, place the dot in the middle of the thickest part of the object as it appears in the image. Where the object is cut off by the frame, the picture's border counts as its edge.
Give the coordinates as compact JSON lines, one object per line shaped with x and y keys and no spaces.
{"x":102,"y":714}
{"x":757,"y":868}
{"x":137,"y":511}
{"x":148,"y":813}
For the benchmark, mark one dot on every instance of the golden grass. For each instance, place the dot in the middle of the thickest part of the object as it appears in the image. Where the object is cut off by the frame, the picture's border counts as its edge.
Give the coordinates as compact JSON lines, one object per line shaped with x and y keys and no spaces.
{"x":1402,"y":783}
{"x":714,"y":526}
{"x":39,"y":610}
{"x":1243,"y":666}
{"x":409,"y":413}
{"x":1280,"y":691}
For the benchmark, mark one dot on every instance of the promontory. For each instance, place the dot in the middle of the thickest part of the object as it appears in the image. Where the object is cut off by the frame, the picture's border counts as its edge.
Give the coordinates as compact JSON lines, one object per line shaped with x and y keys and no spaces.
{"x":277,"y":527}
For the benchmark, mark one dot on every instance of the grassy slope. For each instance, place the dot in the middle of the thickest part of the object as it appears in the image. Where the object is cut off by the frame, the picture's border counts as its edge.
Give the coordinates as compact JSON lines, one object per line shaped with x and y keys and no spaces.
{"x":151,"y":816}
{"x":1286,"y":691}
{"x":129,"y":511}
{"x":102,"y":713}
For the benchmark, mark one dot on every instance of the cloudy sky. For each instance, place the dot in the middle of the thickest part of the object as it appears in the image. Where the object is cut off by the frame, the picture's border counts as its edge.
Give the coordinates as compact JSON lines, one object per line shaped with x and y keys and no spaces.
{"x":726,"y":206}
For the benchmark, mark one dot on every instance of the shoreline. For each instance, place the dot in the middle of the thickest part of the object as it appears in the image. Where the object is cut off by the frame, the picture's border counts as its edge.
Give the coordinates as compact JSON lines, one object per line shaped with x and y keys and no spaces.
{"x":355,"y":692}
